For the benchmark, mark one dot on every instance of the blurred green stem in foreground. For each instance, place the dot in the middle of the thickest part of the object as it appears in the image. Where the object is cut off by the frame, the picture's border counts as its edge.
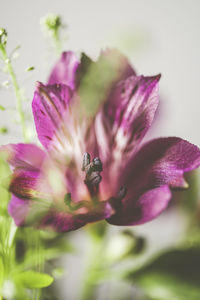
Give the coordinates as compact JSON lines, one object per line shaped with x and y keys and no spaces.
{"x":96,"y":233}
{"x":17,"y":90}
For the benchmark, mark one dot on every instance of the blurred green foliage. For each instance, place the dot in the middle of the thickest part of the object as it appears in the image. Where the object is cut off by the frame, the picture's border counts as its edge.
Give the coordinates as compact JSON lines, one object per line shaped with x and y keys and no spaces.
{"x":173,"y":275}
{"x":97,"y":79}
{"x":25,"y":253}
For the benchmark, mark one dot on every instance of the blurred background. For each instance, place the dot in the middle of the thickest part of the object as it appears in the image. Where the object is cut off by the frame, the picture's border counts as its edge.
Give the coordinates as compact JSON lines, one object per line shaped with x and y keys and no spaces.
{"x":158,"y":37}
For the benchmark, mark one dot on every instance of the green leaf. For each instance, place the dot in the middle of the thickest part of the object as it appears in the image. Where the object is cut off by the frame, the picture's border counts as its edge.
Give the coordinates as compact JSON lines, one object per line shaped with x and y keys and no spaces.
{"x":108,"y":69}
{"x":160,"y":286}
{"x":32,"y":279}
{"x":173,"y":275}
{"x":2,"y":107}
{"x":31,"y":68}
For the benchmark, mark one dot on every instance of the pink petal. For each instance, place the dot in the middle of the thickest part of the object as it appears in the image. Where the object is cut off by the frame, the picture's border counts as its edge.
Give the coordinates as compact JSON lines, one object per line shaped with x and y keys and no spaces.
{"x":122,"y":123}
{"x":64,"y":72}
{"x":18,"y":209}
{"x":126,"y":116}
{"x":49,"y":106}
{"x":138,"y":211}
{"x":63,"y":222}
{"x":24,"y":155}
{"x":159,"y":165}
{"x":24,"y":183}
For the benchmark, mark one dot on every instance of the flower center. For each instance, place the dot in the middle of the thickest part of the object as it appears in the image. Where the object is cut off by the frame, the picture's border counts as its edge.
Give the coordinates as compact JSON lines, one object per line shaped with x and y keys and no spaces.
{"x":92,"y":170}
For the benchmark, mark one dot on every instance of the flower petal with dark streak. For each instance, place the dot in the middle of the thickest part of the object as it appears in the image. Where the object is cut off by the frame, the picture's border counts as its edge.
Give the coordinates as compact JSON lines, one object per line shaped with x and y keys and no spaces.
{"x":122,"y":123}
{"x":64,"y":71}
{"x":138,"y":211}
{"x":49,"y":104}
{"x":26,"y":212}
{"x":24,"y":183}
{"x":126,"y":116}
{"x":159,"y":165}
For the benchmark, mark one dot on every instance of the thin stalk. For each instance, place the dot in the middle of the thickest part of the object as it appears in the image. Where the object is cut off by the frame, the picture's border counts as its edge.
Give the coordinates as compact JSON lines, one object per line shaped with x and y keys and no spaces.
{"x":39,"y":265}
{"x":57,"y":42}
{"x":16,"y":90}
{"x":93,"y":266}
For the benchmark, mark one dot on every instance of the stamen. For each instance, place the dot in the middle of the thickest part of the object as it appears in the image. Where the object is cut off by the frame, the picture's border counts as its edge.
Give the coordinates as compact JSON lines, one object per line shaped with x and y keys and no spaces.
{"x":92,"y":170}
{"x":71,"y":205}
{"x":116,"y":202}
{"x":98,"y":164}
{"x":86,"y":160}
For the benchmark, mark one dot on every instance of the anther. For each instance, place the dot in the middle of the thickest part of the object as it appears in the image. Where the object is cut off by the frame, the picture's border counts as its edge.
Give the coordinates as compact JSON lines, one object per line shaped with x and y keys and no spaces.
{"x":97,"y":164}
{"x":86,"y":160}
{"x":95,"y":179}
{"x":92,"y":170}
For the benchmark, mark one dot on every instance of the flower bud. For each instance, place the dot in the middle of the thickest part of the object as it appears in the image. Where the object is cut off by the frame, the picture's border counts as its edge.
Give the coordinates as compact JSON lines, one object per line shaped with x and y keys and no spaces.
{"x":3,"y":36}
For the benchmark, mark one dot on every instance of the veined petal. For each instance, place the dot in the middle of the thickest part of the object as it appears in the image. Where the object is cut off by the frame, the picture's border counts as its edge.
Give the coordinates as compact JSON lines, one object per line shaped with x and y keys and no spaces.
{"x":31,"y":184}
{"x":122,"y":123}
{"x":61,"y":127}
{"x":64,"y":72}
{"x":49,"y":105}
{"x":24,"y":183}
{"x":126,"y":116}
{"x":160,"y":164}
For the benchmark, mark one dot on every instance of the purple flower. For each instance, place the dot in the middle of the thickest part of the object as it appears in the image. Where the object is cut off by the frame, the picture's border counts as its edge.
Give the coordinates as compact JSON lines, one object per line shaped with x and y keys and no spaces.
{"x":91,"y":118}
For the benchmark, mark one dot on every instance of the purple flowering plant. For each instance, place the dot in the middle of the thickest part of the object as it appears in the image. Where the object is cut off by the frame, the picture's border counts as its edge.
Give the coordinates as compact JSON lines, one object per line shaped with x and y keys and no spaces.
{"x":91,"y":118}
{"x":93,"y":165}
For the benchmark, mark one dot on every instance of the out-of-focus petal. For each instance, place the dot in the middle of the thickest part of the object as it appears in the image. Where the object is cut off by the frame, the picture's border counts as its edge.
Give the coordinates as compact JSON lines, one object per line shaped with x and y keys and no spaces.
{"x":99,"y":77}
{"x":60,"y":221}
{"x":24,"y":183}
{"x":158,"y":164}
{"x":64,"y":71}
{"x":18,"y":209}
{"x":26,"y":212}
{"x":41,"y":215}
{"x":49,"y":105}
{"x":63,"y":221}
{"x":27,"y":156}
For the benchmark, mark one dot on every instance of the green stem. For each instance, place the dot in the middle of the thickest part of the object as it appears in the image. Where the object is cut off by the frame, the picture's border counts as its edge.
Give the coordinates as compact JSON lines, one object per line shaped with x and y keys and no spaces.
{"x":16,"y":90}
{"x":57,"y":42}
{"x":38,"y":266}
{"x":93,"y":266}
